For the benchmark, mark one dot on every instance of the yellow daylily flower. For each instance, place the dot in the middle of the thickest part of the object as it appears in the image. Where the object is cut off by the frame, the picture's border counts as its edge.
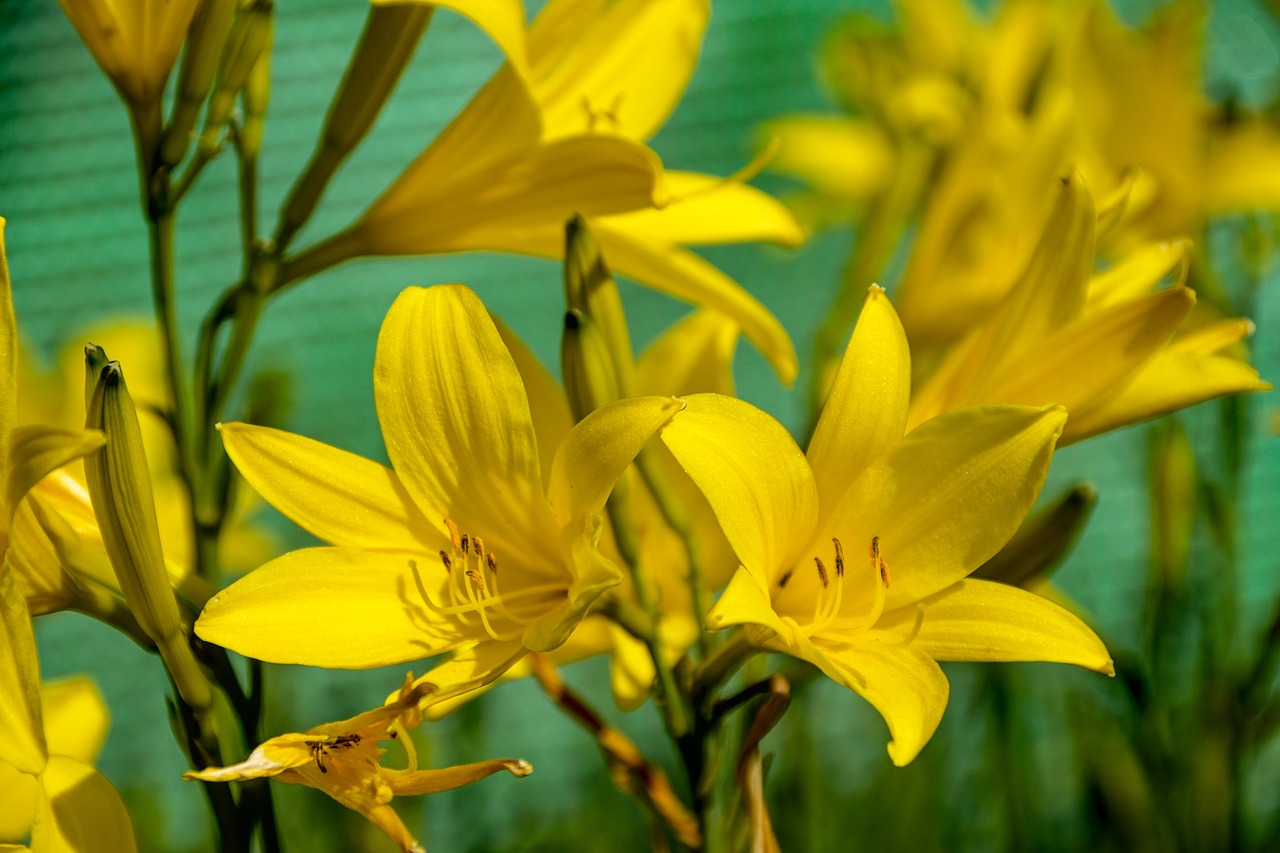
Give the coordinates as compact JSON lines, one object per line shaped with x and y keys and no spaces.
{"x":1108,"y":347}
{"x":462,"y":546}
{"x":916,"y":513}
{"x":135,"y":42}
{"x":343,"y":760}
{"x":50,"y":791}
{"x":532,"y":150}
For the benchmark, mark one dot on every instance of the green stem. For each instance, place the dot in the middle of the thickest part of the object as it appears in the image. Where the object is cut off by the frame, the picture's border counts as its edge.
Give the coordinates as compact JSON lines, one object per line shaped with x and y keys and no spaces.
{"x":720,"y":666}
{"x":335,"y":250}
{"x":672,"y":698}
{"x":677,"y":517}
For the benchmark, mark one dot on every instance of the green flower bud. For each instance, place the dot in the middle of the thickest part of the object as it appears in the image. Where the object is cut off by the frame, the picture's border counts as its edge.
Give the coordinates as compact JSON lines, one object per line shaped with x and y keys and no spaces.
{"x":589,"y":379}
{"x":205,"y":40}
{"x":249,"y":38}
{"x":120,"y":489}
{"x":590,"y":289}
{"x":391,"y":33}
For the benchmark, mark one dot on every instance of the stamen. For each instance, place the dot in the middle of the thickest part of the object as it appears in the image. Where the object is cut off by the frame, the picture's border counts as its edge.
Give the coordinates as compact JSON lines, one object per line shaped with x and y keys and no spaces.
{"x":493,"y":563}
{"x":320,"y":748}
{"x":877,"y":562}
{"x":895,"y":640}
{"x":466,"y":544}
{"x":785,"y":579}
{"x":839,"y":557}
{"x":444,"y":558}
{"x":822,"y":572}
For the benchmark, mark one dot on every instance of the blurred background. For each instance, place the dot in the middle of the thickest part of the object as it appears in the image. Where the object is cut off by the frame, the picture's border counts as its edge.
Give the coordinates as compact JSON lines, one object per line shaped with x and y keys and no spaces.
{"x":1028,"y":756}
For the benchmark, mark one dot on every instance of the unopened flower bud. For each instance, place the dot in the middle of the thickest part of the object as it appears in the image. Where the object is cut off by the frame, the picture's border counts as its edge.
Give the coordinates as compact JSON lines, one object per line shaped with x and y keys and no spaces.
{"x":589,"y":378}
{"x":205,"y":41}
{"x":391,"y":33}
{"x":590,"y":289}
{"x":249,"y":38}
{"x":119,"y":484}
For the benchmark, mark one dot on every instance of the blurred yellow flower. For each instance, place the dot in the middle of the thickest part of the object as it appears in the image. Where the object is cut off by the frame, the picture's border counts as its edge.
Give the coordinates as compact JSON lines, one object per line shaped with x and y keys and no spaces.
{"x":343,"y":760}
{"x":49,"y":789}
{"x":465,"y":545}
{"x":533,"y":149}
{"x":1110,"y":347}
{"x":926,"y":510}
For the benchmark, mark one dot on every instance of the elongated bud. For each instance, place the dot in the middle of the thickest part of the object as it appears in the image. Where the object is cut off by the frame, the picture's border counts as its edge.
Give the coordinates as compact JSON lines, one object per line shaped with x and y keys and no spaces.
{"x":120,"y":490}
{"x":1173,"y":501}
{"x":1042,"y":541}
{"x":250,"y":36}
{"x":589,"y":288}
{"x":589,"y":379}
{"x":205,"y":41}
{"x":256,"y":95}
{"x":391,"y":33}
{"x":95,"y":358}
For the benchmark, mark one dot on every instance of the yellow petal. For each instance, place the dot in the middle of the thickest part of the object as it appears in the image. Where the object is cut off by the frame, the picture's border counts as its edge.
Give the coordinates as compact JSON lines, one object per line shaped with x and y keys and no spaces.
{"x":36,"y":567}
{"x":1243,"y":171}
{"x":18,"y":792}
{"x":8,"y":349}
{"x":977,"y":620}
{"x":35,"y":451}
{"x":469,"y":669}
{"x":501,"y":20}
{"x":135,"y":44}
{"x":593,"y":575}
{"x":745,"y":601}
{"x":448,"y":778}
{"x":631,"y":669}
{"x":866,"y":412}
{"x":694,"y":356}
{"x":541,"y":186}
{"x":79,"y":810}
{"x":342,"y":608}
{"x":951,"y":494}
{"x":23,"y":744}
{"x":686,"y":276}
{"x":1172,"y":380}
{"x":904,"y":684}
{"x":753,"y":475}
{"x":456,"y":421}
{"x":619,"y":67}
{"x":707,"y":210}
{"x":75,"y":718}
{"x":1089,"y":362}
{"x":548,"y":406}
{"x":1138,"y":273}
{"x":599,"y":448}
{"x":342,"y":498}
{"x":838,"y":156}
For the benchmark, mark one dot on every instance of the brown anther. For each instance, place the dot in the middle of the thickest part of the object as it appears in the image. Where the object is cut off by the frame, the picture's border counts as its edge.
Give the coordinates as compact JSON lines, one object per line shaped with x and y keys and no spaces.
{"x":448,"y":564}
{"x":466,"y":544}
{"x":785,"y":579}
{"x":476,"y":578}
{"x":877,"y":562}
{"x":478,"y":544}
{"x":493,"y":563}
{"x":453,"y":533}
{"x":839,"y":557}
{"x":822,"y":572}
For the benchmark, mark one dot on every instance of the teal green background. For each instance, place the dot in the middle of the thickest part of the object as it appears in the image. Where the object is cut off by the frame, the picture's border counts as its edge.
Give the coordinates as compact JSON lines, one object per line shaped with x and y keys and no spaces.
{"x":77,"y":253}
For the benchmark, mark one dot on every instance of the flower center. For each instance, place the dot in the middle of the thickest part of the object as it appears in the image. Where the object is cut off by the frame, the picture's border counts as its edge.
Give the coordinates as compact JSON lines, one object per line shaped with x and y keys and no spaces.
{"x":321,"y":748}
{"x":474,"y":592}
{"x":826,"y":611}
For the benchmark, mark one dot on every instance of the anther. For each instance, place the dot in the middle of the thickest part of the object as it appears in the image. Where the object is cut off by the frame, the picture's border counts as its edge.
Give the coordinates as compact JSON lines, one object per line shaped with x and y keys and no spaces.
{"x":877,"y":562}
{"x":493,"y":563}
{"x":466,"y":544}
{"x":822,"y":572}
{"x":839,"y":557}
{"x":785,"y":579}
{"x":444,"y":558}
{"x":476,"y":578}
{"x":453,"y":533}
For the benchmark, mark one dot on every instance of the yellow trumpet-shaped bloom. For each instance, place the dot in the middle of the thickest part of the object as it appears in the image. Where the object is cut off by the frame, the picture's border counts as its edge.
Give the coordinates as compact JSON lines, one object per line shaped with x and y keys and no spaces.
{"x":135,"y":42}
{"x":50,"y":791}
{"x":465,"y":545}
{"x":855,"y":556}
{"x":532,"y":150}
{"x":1109,"y":347}
{"x":343,"y":760}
